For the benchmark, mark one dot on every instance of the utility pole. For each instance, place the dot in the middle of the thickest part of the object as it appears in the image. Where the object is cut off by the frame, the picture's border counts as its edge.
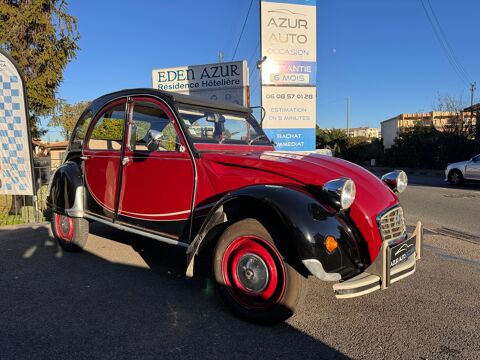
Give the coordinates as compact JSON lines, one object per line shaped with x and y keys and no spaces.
{"x":477,"y":122}
{"x":473,"y":87}
{"x":348,"y":116}
{"x":472,"y":92}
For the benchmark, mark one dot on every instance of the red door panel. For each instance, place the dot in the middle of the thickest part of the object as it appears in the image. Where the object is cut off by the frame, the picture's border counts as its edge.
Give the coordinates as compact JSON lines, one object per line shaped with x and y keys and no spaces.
{"x":157,"y":187}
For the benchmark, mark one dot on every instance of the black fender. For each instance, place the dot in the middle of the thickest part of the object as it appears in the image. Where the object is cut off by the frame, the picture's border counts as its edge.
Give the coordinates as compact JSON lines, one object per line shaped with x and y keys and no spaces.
{"x":307,"y":219}
{"x":66,"y":190}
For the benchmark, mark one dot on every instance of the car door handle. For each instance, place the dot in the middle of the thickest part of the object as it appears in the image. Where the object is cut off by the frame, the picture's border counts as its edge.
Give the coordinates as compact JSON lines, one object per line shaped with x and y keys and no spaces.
{"x":125,"y":160}
{"x":84,"y":157}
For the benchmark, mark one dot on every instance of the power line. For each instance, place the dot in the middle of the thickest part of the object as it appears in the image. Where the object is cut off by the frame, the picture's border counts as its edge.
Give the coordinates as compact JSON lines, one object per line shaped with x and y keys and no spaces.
{"x":442,"y":39}
{"x":447,"y":42}
{"x":243,"y":28}
{"x":251,"y":58}
{"x":255,"y":82}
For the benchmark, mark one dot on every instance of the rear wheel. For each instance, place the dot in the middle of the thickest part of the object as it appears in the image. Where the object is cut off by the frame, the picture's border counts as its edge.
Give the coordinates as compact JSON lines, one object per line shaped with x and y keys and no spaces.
{"x":253,"y":278}
{"x":70,"y":233}
{"x":455,"y":177}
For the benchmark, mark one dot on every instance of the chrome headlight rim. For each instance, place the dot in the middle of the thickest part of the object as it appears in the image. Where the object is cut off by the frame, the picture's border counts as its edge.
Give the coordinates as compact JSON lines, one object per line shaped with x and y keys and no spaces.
{"x":341,"y":192}
{"x":396,"y":180}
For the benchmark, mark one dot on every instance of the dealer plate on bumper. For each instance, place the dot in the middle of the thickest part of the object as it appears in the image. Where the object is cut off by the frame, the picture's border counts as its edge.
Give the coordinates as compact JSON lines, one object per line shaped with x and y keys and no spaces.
{"x":401,"y":252}
{"x":392,"y":264}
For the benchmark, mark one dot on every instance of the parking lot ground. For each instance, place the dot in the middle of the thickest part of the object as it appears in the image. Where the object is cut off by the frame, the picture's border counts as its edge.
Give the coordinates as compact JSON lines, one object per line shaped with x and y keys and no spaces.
{"x":127,"y":297}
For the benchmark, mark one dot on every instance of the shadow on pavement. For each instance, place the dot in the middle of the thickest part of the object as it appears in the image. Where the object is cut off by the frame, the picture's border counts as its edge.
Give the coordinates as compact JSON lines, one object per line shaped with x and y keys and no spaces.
{"x":62,"y":305}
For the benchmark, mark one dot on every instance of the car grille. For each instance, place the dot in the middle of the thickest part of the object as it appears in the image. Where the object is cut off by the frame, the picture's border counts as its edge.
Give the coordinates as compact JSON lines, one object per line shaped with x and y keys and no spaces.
{"x":392,"y":224}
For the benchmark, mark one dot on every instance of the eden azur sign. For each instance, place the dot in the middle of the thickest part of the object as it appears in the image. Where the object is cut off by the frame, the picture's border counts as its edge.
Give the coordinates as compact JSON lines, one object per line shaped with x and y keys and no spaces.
{"x":227,"y":82}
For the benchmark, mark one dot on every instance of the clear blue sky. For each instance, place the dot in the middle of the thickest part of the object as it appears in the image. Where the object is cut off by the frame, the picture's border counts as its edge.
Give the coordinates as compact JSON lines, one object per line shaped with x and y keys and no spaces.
{"x":383,"y":54}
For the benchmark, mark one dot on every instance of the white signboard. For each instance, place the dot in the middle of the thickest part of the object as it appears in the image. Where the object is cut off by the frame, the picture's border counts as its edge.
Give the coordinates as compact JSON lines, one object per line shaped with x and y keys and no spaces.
{"x":289,"y":72}
{"x":289,"y":29}
{"x":15,"y":154}
{"x":227,"y":82}
{"x":290,"y":112}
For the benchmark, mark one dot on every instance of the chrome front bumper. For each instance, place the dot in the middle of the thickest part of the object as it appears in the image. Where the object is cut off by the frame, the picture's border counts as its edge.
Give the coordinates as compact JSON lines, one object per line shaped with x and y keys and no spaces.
{"x":380,"y":275}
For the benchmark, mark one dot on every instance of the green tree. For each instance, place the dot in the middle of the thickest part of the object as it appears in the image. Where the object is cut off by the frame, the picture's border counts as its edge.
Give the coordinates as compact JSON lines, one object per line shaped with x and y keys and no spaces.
{"x":42,"y":37}
{"x":331,"y":138}
{"x":108,"y":129}
{"x":358,"y":149}
{"x":426,"y":147}
{"x":66,"y":116}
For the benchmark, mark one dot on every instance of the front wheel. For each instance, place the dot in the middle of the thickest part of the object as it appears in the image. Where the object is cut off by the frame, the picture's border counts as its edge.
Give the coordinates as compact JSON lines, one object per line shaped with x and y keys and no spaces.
{"x":455,"y":177}
{"x":253,"y":278}
{"x":71,"y":233}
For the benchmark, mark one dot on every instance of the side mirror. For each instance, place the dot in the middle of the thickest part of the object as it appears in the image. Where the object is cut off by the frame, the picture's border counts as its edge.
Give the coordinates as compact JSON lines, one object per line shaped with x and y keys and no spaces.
{"x":211,"y":117}
{"x":154,"y":139}
{"x":132,"y":139}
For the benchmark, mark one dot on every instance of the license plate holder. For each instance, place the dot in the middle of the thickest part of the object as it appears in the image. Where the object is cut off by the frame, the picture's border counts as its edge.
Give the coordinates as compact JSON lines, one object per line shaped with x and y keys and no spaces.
{"x":401,"y":252}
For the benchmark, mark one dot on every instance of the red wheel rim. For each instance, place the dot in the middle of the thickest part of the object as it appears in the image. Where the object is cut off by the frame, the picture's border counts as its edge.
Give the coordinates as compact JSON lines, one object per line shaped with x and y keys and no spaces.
{"x":253,"y":273}
{"x":64,"y":227}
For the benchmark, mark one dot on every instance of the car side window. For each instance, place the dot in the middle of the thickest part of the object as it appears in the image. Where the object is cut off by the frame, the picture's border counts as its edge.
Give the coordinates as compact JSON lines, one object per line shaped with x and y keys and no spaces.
{"x":107,"y":133}
{"x":148,"y":116}
{"x":80,"y":131}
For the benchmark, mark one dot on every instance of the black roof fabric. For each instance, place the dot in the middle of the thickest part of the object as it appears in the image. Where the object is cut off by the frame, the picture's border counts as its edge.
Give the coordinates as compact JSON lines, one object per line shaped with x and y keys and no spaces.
{"x":175,"y":97}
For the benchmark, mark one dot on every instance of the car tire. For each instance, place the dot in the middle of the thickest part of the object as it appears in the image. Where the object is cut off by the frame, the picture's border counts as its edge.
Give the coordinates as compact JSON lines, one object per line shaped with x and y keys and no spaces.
{"x":252,"y":276}
{"x":455,"y":177}
{"x":71,"y":233}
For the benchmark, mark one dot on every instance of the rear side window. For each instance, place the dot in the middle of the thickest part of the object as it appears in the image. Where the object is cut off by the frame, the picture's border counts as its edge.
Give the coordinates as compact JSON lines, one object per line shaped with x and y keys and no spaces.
{"x":107,"y":134}
{"x":80,"y":131}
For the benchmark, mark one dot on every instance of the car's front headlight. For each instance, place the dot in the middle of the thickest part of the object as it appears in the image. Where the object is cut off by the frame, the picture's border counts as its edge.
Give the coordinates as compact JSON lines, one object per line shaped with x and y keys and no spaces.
{"x":396,"y":180}
{"x":341,"y":192}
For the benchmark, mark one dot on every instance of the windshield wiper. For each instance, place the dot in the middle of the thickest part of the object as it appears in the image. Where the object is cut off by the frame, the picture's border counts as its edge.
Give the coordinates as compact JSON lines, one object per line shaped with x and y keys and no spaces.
{"x":257,"y":138}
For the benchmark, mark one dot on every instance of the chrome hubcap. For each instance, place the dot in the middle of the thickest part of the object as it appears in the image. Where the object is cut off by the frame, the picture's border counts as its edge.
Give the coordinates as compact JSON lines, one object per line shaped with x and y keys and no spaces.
{"x":253,"y":273}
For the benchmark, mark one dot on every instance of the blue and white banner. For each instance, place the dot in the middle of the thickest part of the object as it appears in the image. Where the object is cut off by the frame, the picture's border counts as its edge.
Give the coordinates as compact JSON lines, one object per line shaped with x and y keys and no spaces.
{"x":15,"y":156}
{"x":290,"y":73}
{"x":288,"y":33}
{"x":292,"y":139}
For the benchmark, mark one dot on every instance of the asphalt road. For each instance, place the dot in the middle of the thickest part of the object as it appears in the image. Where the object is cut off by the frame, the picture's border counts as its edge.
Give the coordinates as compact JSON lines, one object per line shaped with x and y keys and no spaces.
{"x":444,"y":208}
{"x":118,"y":301}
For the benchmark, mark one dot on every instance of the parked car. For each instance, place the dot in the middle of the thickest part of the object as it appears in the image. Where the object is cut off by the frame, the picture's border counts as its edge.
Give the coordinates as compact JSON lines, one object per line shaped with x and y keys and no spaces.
{"x":204,"y":176}
{"x":459,"y":172}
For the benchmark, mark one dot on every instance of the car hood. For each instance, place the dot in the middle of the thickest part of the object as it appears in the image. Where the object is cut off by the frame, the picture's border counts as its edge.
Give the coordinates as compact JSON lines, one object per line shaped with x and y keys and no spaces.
{"x":373,"y":196}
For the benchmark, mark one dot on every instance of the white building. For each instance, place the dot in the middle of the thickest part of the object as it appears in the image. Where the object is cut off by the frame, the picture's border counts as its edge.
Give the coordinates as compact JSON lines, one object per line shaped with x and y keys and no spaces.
{"x":438,"y":119}
{"x":368,"y":132}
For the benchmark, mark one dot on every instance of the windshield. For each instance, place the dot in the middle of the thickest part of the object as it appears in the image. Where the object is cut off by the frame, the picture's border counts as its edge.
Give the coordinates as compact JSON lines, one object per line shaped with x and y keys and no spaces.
{"x":218,"y":127}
